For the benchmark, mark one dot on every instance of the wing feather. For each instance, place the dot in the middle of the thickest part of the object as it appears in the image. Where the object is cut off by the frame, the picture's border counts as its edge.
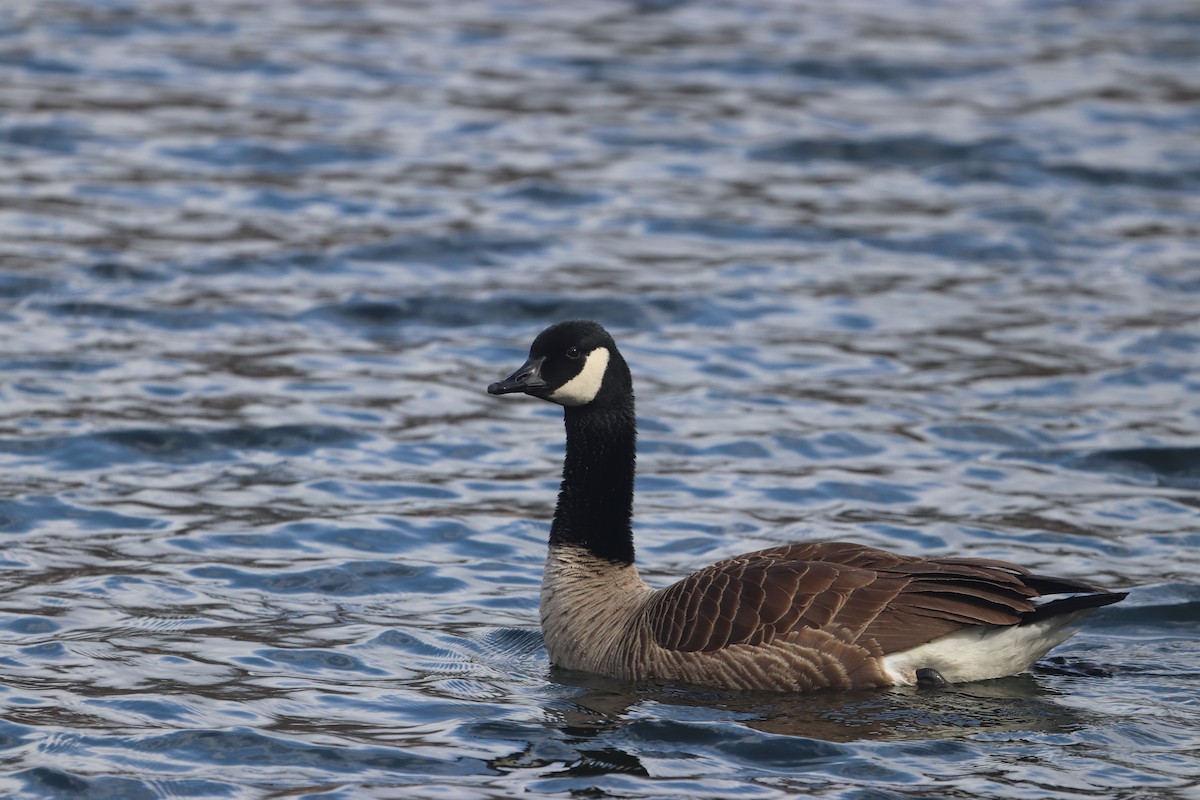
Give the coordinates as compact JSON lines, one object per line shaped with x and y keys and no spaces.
{"x":876,"y":598}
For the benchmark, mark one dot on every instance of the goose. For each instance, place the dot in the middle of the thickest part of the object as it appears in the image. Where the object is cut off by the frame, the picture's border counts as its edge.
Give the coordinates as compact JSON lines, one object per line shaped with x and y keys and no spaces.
{"x":791,"y":618}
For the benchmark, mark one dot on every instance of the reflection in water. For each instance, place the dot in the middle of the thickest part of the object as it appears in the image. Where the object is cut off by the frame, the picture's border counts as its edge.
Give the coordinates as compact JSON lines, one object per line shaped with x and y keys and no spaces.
{"x":1018,"y":703}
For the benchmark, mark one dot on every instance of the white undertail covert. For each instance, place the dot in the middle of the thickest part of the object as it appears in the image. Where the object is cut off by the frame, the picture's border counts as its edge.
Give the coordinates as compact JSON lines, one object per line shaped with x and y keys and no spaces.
{"x":982,"y":652}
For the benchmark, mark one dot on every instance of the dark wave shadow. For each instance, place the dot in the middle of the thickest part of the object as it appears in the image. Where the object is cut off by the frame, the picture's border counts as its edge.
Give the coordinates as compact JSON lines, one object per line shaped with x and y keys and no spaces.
{"x":1174,"y":467}
{"x":108,"y":448}
{"x":377,"y":316}
{"x":995,"y":160}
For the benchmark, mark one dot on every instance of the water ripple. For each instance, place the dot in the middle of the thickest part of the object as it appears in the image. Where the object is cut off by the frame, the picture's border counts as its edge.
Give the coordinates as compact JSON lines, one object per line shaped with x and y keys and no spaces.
{"x":919,"y":275}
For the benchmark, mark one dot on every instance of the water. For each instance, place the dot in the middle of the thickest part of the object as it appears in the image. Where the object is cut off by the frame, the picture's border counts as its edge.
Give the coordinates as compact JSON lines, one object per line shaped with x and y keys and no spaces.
{"x":924,"y":275}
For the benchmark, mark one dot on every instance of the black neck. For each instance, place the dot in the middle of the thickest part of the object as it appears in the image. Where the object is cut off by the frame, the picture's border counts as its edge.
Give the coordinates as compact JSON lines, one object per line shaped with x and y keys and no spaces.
{"x":595,"y":503}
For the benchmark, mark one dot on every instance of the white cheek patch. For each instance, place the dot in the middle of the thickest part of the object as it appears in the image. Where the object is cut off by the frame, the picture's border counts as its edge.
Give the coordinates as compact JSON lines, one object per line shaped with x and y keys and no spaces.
{"x":584,"y":387}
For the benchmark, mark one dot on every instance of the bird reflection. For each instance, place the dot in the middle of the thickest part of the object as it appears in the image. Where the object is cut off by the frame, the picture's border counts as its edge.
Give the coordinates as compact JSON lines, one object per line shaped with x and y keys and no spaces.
{"x":1018,"y":703}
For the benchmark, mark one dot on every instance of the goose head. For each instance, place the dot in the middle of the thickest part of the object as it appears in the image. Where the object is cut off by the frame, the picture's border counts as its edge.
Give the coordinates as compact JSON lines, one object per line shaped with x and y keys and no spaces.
{"x":574,"y":364}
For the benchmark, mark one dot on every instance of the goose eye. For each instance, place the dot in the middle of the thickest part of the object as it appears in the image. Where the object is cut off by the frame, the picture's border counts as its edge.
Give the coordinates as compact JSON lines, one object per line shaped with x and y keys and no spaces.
{"x":573,"y":352}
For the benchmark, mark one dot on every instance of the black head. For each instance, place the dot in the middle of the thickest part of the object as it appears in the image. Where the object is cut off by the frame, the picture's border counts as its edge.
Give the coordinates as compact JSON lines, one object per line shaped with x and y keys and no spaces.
{"x":572,"y":363}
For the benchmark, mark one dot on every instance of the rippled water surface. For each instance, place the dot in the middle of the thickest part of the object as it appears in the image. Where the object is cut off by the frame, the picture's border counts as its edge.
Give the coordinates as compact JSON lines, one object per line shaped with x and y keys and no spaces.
{"x":925,"y":275}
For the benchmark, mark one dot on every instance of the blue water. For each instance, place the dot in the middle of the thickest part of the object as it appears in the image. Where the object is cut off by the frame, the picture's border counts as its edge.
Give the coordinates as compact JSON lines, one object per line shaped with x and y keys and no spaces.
{"x":920,"y":274}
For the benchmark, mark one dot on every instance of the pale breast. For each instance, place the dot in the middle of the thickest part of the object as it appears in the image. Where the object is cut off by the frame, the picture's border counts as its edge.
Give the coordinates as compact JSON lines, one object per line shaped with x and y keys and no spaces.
{"x":589,"y":609}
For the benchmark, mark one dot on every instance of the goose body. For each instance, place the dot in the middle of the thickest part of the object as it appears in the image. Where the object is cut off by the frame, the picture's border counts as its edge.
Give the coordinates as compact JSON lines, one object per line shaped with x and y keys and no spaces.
{"x":791,"y":618}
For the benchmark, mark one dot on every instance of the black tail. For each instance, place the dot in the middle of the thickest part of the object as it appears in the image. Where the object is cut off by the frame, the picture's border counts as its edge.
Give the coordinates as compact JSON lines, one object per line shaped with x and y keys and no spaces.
{"x":1068,"y":605}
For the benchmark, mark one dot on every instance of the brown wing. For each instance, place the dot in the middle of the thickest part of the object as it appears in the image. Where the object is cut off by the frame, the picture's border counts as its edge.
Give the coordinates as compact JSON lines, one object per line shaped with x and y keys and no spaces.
{"x":867,"y":595}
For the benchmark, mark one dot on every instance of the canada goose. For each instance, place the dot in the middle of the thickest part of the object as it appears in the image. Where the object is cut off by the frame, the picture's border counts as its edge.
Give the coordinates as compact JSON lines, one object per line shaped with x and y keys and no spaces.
{"x":789,"y":618}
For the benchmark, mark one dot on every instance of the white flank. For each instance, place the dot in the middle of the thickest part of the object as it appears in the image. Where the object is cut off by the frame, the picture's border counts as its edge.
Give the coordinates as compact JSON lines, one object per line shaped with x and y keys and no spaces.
{"x":584,"y":387}
{"x":982,"y":652}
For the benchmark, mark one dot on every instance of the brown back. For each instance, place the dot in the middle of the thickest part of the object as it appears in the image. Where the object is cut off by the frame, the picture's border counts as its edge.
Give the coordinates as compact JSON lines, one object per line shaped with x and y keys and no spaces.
{"x":867,"y":595}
